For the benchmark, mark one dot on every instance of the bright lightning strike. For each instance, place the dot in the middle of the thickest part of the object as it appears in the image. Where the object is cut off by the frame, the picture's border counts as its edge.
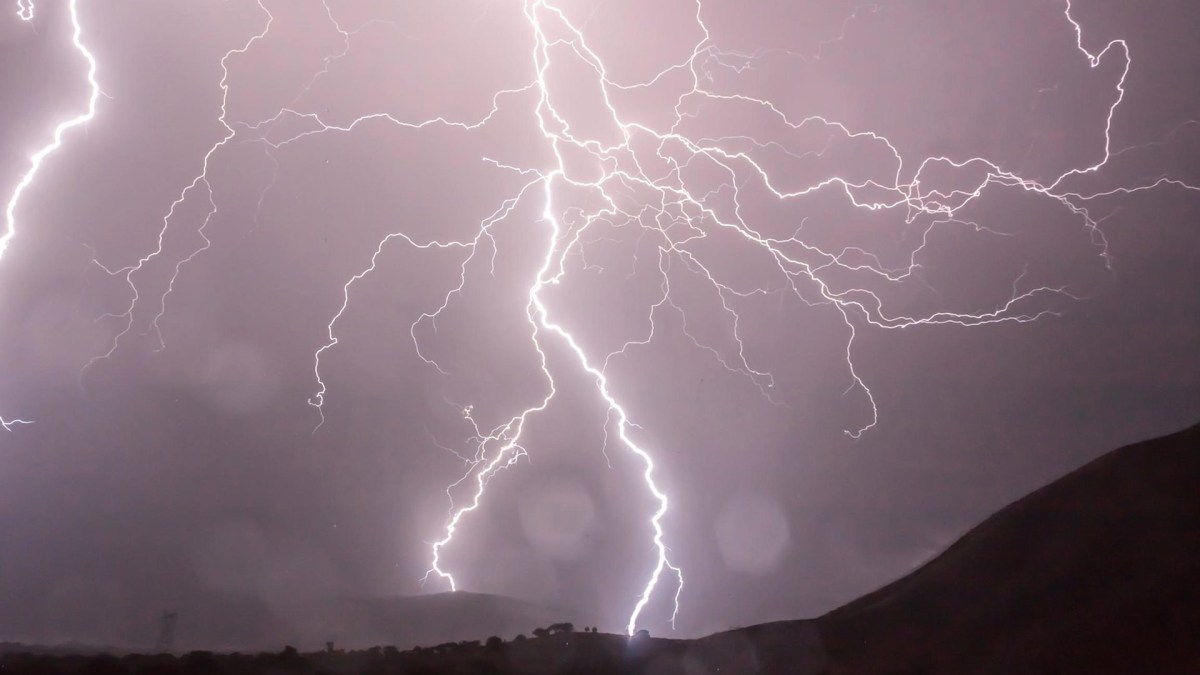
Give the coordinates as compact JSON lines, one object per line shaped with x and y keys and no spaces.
{"x":25,"y":13}
{"x":642,"y":178}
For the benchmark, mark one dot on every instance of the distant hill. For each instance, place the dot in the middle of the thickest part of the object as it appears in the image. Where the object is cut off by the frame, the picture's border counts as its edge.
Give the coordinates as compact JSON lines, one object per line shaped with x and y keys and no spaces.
{"x":246,"y":624}
{"x":421,"y":620}
{"x":1098,"y":572}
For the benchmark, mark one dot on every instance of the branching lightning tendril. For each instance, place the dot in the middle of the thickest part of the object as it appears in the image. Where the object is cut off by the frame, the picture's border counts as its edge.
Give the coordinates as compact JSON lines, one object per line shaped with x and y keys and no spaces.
{"x":674,"y":218}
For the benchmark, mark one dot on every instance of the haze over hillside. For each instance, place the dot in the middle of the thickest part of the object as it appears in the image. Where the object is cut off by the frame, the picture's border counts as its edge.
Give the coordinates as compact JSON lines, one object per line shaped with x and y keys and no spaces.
{"x":361,"y":622}
{"x":250,"y":624}
{"x":1098,"y":572}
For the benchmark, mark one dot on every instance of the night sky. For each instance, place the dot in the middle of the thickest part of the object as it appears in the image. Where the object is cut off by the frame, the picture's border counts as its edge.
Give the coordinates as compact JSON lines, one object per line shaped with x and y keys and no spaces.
{"x":187,"y":464}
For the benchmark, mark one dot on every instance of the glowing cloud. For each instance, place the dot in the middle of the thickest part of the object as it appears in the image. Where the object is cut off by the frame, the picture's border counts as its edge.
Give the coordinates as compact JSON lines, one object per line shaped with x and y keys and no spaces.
{"x":641,"y":181}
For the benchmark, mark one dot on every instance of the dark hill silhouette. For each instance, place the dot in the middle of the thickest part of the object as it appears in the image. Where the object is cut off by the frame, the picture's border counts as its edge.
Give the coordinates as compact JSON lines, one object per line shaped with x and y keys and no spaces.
{"x":1097,"y":572}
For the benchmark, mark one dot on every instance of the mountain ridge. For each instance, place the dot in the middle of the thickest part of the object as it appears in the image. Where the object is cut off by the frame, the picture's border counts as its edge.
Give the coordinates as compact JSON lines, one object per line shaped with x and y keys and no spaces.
{"x":1095,"y":572}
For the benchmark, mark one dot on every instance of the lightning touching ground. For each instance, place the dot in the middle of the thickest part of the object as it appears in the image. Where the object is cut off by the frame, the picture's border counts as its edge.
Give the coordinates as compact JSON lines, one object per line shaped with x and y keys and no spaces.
{"x":659,"y":173}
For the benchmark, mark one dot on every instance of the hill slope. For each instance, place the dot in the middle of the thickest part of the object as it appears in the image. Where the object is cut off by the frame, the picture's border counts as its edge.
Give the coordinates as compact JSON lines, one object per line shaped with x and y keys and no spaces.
{"x":1098,"y":572}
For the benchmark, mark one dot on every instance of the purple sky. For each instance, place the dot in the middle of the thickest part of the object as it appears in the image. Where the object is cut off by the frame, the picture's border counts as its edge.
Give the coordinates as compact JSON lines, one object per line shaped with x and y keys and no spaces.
{"x":176,"y":471}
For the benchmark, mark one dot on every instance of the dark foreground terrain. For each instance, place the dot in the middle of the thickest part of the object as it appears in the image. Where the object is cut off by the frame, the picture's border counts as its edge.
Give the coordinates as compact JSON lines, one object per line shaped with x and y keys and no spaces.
{"x":1098,"y":572}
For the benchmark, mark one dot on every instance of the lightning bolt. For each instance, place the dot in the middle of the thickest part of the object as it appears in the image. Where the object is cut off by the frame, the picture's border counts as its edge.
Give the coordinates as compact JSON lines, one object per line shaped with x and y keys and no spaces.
{"x":25,"y":11}
{"x":199,"y":183}
{"x":642,"y":178}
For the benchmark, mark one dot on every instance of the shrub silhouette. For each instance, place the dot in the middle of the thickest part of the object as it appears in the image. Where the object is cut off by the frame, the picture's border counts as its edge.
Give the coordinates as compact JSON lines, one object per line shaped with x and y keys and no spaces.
{"x":289,"y":653}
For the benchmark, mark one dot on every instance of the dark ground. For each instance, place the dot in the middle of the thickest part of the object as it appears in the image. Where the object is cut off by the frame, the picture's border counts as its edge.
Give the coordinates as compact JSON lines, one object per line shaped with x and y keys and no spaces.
{"x":1098,"y":572}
